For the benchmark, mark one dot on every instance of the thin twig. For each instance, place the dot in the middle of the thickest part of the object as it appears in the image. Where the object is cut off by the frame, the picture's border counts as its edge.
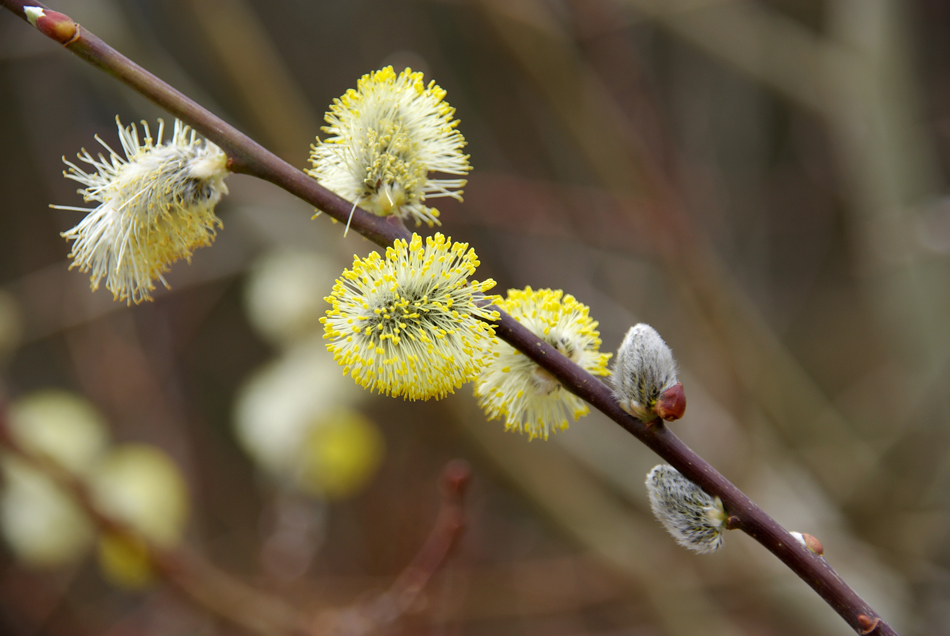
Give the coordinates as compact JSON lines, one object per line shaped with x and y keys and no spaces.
{"x":248,"y":157}
{"x":405,"y":593}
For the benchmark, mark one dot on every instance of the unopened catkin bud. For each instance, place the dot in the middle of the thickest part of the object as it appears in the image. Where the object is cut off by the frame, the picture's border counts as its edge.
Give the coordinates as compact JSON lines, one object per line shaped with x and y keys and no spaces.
{"x":810,"y":542}
{"x":142,"y":488}
{"x":644,"y":377}
{"x":694,"y":518}
{"x":52,"y":24}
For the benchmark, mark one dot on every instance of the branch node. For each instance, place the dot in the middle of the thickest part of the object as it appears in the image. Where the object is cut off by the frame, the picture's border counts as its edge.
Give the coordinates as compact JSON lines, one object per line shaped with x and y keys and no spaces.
{"x":53,"y":24}
{"x":810,"y":542}
{"x":455,"y":478}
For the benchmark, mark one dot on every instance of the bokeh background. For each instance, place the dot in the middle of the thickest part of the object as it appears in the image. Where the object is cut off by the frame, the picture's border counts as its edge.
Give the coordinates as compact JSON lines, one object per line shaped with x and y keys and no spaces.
{"x":762,"y":181}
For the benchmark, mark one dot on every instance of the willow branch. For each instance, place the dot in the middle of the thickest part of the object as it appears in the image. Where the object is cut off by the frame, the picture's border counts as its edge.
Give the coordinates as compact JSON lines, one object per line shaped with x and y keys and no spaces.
{"x":248,"y":157}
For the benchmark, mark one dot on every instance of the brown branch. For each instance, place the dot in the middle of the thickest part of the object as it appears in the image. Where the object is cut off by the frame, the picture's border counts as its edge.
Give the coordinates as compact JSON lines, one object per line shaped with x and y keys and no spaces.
{"x":748,"y":517}
{"x":406,"y":591}
{"x":442,"y":541}
{"x":246,"y":156}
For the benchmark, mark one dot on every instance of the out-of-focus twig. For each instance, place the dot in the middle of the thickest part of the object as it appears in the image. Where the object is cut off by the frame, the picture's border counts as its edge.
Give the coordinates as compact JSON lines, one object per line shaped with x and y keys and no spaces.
{"x":368,"y":617}
{"x":857,"y":76}
{"x":757,"y":41}
{"x":265,"y":87}
{"x":610,"y":144}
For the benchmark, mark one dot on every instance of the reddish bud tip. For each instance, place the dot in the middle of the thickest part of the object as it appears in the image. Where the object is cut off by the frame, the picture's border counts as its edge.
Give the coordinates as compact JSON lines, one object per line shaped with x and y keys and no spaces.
{"x":52,"y":24}
{"x":672,"y":403}
{"x":867,"y":624}
{"x":456,"y":476}
{"x":813,"y":544}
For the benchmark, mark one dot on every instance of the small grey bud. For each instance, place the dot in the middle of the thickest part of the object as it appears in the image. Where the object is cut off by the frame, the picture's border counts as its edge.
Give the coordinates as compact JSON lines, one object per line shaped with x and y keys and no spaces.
{"x":644,"y":377}
{"x":694,"y":518}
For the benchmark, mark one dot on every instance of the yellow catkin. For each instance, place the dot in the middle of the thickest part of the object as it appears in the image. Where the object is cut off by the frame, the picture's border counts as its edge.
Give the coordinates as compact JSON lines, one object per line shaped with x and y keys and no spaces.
{"x":410,"y":324}
{"x":385,"y":137}
{"x":528,"y":397}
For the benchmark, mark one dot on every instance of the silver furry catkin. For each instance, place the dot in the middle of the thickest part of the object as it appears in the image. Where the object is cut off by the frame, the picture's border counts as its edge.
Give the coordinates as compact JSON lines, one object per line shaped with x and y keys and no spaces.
{"x":692,"y":516}
{"x":644,"y":377}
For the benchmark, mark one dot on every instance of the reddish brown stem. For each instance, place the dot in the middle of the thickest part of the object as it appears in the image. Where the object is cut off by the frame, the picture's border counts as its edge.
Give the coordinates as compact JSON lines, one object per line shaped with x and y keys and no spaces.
{"x":246,"y":156}
{"x":444,"y":537}
{"x":405,"y":592}
{"x":744,"y":514}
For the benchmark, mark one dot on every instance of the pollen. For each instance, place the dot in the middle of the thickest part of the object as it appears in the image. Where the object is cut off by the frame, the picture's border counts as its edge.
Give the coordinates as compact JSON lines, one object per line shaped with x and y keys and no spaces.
{"x":528,"y":397}
{"x":422,"y":329}
{"x":385,"y":138}
{"x":156,"y":205}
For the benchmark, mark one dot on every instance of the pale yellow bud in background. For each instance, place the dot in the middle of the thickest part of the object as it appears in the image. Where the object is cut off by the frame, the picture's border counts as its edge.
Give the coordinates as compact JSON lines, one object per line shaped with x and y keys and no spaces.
{"x":140,"y":486}
{"x":340,"y":455}
{"x":60,"y":425}
{"x":277,"y":405}
{"x":124,"y":561}
{"x":41,"y":524}
{"x":284,"y":294}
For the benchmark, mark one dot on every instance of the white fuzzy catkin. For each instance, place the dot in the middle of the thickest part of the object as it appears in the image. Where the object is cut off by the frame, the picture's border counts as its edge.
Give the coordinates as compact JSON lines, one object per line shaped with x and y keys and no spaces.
{"x":692,"y":516}
{"x":644,"y":368}
{"x":155,"y":206}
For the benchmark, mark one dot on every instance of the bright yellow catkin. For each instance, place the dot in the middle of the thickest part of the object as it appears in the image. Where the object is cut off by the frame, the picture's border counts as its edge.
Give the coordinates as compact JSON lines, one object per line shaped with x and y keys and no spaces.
{"x":528,"y":397}
{"x":410,"y":324}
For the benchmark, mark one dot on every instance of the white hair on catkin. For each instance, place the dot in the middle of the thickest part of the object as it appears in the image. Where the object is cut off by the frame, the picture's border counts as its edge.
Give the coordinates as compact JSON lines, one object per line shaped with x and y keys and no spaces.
{"x":644,"y":368}
{"x":690,"y":514}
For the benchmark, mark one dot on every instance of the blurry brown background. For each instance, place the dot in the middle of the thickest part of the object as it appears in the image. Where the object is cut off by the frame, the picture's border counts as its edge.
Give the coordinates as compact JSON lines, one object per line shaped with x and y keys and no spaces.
{"x":763,"y":182}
